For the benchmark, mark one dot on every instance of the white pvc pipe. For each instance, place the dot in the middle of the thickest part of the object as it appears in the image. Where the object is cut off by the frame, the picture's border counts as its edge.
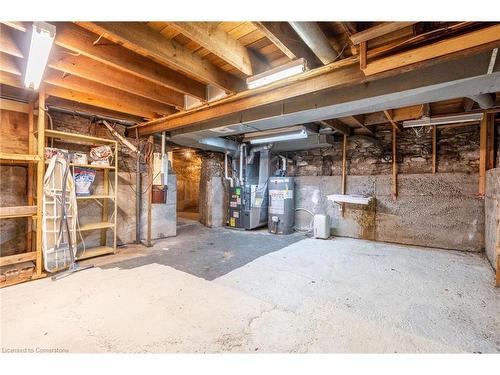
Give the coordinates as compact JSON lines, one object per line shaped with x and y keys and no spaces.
{"x":226,"y":175}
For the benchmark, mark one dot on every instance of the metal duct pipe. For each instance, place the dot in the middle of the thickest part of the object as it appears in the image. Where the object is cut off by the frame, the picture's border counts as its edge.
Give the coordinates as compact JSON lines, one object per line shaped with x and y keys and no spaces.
{"x":243,"y":146}
{"x":284,"y":160}
{"x":226,"y":175}
{"x":253,"y":150}
{"x":316,"y":40}
{"x":485,"y":101}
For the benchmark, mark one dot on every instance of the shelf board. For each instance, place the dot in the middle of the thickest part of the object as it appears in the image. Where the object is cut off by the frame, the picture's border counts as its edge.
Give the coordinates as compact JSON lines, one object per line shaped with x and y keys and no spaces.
{"x":25,"y":158}
{"x":17,"y":258}
{"x":112,"y":167}
{"x":95,"y":226}
{"x":95,"y":197}
{"x":17,"y":211}
{"x":78,"y":137}
{"x":95,"y":251}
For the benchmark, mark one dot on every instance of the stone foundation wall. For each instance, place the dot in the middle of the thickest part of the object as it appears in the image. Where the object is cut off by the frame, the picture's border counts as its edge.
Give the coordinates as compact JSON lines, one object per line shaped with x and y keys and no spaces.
{"x":434,"y":210}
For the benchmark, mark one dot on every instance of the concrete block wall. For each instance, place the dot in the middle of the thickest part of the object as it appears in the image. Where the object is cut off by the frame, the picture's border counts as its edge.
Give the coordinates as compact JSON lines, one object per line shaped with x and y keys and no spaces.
{"x":492,"y":215}
{"x":435,"y":210}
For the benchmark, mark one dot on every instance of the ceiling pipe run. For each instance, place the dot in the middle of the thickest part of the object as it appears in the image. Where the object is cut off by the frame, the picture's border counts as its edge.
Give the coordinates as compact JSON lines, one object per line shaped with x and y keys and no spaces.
{"x":315,"y":39}
{"x":484,"y":101}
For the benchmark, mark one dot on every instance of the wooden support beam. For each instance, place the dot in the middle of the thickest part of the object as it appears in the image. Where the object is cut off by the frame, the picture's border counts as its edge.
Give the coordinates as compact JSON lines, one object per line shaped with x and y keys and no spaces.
{"x":434,"y":149}
{"x":395,"y":125}
{"x":315,"y":39}
{"x":344,"y":169}
{"x":150,"y":196}
{"x":445,"y":47}
{"x":103,"y":96}
{"x":70,"y":105}
{"x":85,"y":67}
{"x":220,"y":43}
{"x":394,"y":189}
{"x":9,"y":64}
{"x":8,"y":44}
{"x":83,"y":42}
{"x":483,"y":140}
{"x":335,"y":75}
{"x":337,"y":125}
{"x":147,"y":42}
{"x":398,"y":114}
{"x":379,"y":30}
{"x":360,"y":121}
{"x":31,"y":173}
{"x":10,"y":80}
{"x":362,"y":55}
{"x":20,"y":26}
{"x":282,"y":35}
{"x":39,"y":178}
{"x":490,"y":150}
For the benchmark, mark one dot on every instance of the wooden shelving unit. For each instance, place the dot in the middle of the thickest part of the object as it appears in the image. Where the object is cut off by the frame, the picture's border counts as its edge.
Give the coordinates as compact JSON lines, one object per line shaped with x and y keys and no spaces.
{"x":103,"y":224}
{"x":22,"y":264}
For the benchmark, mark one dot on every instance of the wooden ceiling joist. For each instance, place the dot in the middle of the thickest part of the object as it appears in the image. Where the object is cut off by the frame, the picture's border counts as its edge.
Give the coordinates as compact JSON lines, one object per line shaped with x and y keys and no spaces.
{"x":81,"y":41}
{"x":8,"y":44}
{"x":76,"y":107}
{"x":20,"y":26}
{"x":379,"y":30}
{"x":220,"y":43}
{"x":282,"y":35}
{"x":97,"y":93}
{"x":399,"y":114}
{"x":147,"y":42}
{"x":9,"y":64}
{"x":336,"y":125}
{"x":102,"y":101}
{"x":442,"y":48}
{"x":11,"y":80}
{"x":84,"y":67}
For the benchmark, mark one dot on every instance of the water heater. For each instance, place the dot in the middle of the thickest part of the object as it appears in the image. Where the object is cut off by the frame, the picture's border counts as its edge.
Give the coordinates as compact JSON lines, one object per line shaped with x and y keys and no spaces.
{"x":281,"y":214}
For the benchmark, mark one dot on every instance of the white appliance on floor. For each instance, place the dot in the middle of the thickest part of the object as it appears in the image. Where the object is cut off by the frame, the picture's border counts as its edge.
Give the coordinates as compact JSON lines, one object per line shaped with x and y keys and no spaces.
{"x":321,"y":226}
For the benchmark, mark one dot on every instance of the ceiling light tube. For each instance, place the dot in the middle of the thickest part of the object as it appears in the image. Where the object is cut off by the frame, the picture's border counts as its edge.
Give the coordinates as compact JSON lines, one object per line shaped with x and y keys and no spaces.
{"x":42,"y":38}
{"x":276,"y":74}
{"x":286,"y":136}
{"x":453,"y":119}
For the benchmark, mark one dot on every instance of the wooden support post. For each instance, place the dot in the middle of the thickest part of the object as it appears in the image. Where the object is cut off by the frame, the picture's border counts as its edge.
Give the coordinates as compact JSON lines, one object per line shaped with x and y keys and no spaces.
{"x":150,"y":194}
{"x":483,"y":139}
{"x":39,"y":178}
{"x":434,"y":149}
{"x":394,"y":165}
{"x":29,"y":184}
{"x":344,"y":169}
{"x":362,"y":55}
{"x":105,"y":206}
{"x":490,"y":154}
{"x":115,"y":195}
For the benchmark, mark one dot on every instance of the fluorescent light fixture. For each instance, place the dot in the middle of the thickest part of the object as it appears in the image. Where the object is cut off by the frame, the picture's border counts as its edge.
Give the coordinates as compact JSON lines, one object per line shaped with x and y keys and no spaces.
{"x":453,"y":119}
{"x":281,"y":135}
{"x":42,"y":38}
{"x":275,"y":74}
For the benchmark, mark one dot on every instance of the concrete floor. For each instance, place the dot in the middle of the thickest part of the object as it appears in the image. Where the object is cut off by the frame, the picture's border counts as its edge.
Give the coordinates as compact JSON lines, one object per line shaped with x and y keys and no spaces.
{"x":339,"y":295}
